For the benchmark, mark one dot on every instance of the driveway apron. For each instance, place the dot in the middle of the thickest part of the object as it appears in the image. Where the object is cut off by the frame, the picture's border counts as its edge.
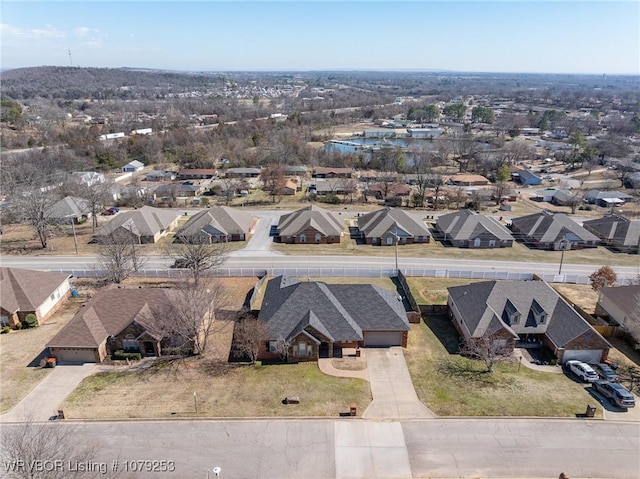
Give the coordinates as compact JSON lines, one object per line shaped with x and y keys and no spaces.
{"x":393,"y":394}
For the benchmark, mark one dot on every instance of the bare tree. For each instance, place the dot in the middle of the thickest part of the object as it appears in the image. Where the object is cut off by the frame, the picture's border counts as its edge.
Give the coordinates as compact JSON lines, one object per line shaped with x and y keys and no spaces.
{"x":274,"y":180}
{"x":189,"y":319}
{"x":486,"y":350}
{"x":97,"y":197}
{"x":36,"y":450}
{"x":197,"y":253}
{"x":34,"y":205}
{"x":249,"y":337}
{"x":118,"y":256}
{"x":604,"y":276}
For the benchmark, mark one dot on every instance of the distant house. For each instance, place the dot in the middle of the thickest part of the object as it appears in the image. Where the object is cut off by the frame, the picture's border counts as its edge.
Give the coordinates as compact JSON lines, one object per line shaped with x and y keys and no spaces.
{"x":607,"y":198}
{"x":197,"y":173}
{"x":144,"y":225}
{"x":179,"y":190}
{"x":296,"y":170}
{"x":243,"y":172}
{"x":632,"y":181}
{"x":116,"y":318}
{"x":219,"y":224}
{"x":383,"y":191}
{"x":555,"y":231}
{"x":525,"y":177}
{"x":463,"y":179}
{"x":557,"y":197}
{"x":26,"y":291}
{"x":88,"y":178}
{"x":133,"y":166}
{"x":314,"y":319}
{"x":70,"y":209}
{"x":513,"y":313}
{"x":159,"y":175}
{"x":309,"y":225}
{"x":390,"y":225}
{"x":617,"y":232}
{"x":332,"y":187}
{"x":326,"y":172}
{"x":619,"y":303}
{"x":468,"y":229}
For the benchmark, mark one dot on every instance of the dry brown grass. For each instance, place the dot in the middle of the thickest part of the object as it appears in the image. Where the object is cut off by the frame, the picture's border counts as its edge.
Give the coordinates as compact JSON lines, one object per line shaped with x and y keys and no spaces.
{"x":349,"y":364}
{"x":581,"y":295}
{"x":20,"y":348}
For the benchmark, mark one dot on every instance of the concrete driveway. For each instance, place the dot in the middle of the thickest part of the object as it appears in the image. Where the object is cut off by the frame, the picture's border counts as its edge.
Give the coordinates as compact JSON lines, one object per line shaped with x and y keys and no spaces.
{"x":393,"y":394}
{"x":43,"y":400}
{"x":260,"y":242}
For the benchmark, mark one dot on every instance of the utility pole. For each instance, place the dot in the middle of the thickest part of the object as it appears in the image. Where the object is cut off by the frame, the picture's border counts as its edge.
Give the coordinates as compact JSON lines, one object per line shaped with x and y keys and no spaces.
{"x":70,"y":62}
{"x":563,"y":246}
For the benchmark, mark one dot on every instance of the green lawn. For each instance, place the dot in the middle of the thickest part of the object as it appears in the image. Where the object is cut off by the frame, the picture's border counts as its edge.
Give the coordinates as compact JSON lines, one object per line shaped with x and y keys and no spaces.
{"x":221,"y":391}
{"x":451,"y":385}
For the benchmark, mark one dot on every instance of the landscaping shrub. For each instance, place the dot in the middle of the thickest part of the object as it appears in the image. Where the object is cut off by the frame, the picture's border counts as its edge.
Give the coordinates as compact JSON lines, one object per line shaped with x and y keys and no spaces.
{"x":18,"y":325}
{"x":123,"y":356}
{"x":5,"y":330}
{"x":31,"y":320}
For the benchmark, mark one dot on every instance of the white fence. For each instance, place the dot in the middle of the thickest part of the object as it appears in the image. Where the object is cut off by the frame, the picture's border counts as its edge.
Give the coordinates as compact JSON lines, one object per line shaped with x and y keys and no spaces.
{"x":345,"y":272}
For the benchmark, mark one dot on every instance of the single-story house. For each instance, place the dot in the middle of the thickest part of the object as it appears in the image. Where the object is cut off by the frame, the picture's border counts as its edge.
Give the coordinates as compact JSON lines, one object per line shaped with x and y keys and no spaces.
{"x":197,"y":173}
{"x":524,"y":313}
{"x":116,"y":318}
{"x":526,"y":177}
{"x":179,"y":190}
{"x":632,"y":180}
{"x":219,"y":224}
{"x":616,"y":231}
{"x":88,"y":178}
{"x":314,"y":319}
{"x":295,"y":170}
{"x":383,"y":191}
{"x":389,"y":226}
{"x":133,"y":166}
{"x":464,"y":179}
{"x":468,"y":229}
{"x":309,"y":225}
{"x":332,"y":187}
{"x":620,"y":303}
{"x":554,"y":231}
{"x":25,"y":291}
{"x":243,"y":173}
{"x":142,"y":226}
{"x":607,"y":198}
{"x":159,"y":175}
{"x":70,"y":208}
{"x":327,"y":172}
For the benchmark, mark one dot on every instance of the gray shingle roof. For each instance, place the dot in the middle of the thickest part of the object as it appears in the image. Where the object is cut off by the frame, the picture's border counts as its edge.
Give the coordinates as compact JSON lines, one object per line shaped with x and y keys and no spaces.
{"x":146,"y":221}
{"x":339,"y":312}
{"x":219,"y":220}
{"x":69,"y":207}
{"x":593,"y":195}
{"x":380,"y":223}
{"x":616,"y":228}
{"x":312,"y":216}
{"x":484,"y":307}
{"x":26,"y":289}
{"x":624,"y":297}
{"x":467,"y":225}
{"x":546,"y":227}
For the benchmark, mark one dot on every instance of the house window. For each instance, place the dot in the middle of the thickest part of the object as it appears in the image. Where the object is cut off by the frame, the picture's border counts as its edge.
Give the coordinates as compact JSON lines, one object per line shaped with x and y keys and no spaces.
{"x":477,"y":242}
{"x":318,"y":237}
{"x":389,"y":240}
{"x":4,"y":321}
{"x":303,"y":238}
{"x":273,"y":346}
{"x":587,"y":336}
{"x":492,"y":243}
{"x":302,"y":350}
{"x":129,"y":343}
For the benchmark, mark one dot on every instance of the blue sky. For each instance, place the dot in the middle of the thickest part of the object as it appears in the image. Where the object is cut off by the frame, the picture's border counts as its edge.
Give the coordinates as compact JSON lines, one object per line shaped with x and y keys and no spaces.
{"x":568,"y":36}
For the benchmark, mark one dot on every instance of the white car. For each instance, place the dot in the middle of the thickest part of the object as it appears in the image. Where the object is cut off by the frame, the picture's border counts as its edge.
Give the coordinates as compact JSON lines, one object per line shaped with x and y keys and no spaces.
{"x":582,"y":370}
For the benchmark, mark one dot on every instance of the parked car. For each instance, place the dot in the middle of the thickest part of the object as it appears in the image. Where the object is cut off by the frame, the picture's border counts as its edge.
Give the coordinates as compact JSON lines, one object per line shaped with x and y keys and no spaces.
{"x":111,"y":211}
{"x":582,"y":371}
{"x":605,"y":372}
{"x":616,"y":393}
{"x":181,"y":263}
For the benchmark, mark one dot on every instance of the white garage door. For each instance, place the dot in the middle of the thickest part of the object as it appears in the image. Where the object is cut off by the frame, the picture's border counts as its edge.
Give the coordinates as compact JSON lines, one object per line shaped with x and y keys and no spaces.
{"x":382,"y":338}
{"x":584,"y":355}
{"x":75,"y":355}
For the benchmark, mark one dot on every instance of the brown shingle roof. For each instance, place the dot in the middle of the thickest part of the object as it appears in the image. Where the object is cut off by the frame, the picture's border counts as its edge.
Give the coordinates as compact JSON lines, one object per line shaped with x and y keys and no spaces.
{"x":25,"y":289}
{"x":108,"y":313}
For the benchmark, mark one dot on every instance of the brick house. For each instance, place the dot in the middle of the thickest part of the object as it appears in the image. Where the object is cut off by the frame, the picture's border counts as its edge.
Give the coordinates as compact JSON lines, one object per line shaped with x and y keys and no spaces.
{"x":552,"y":231}
{"x":314,"y":319}
{"x":309,"y":225}
{"x":25,"y":291}
{"x":388,"y":225}
{"x":218,"y":224}
{"x":524,"y":314}
{"x":143,"y":226}
{"x":468,"y":229}
{"x":115,"y":318}
{"x":617,"y":232}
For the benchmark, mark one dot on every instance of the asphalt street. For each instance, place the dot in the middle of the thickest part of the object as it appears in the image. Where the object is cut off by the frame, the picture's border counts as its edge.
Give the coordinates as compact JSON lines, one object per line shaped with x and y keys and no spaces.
{"x":354,"y":448}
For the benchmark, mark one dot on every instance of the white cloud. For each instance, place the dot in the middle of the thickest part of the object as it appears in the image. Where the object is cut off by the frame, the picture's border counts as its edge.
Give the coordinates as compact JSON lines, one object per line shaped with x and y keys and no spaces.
{"x":81,"y":31}
{"x":49,"y":31}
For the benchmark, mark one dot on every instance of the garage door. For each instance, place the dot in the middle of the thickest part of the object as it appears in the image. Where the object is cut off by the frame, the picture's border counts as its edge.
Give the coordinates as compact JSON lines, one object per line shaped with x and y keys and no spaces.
{"x":383,"y":338}
{"x":584,"y":355}
{"x":74,"y":355}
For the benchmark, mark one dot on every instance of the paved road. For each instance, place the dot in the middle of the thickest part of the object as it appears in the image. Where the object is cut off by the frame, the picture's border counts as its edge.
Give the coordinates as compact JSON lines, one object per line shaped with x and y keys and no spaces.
{"x":354,"y":448}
